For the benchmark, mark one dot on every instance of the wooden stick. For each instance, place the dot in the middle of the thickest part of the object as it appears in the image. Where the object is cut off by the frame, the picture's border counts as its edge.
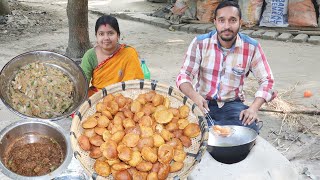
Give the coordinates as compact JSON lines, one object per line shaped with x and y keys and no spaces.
{"x":309,"y":112}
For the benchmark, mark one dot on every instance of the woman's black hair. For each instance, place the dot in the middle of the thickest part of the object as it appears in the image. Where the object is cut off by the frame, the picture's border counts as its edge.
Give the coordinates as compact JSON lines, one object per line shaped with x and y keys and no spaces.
{"x":227,"y":3}
{"x":107,"y":19}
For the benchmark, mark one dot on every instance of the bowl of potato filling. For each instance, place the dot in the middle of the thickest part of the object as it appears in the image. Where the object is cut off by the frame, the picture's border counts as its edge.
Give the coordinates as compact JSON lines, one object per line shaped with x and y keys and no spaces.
{"x":42,"y":85}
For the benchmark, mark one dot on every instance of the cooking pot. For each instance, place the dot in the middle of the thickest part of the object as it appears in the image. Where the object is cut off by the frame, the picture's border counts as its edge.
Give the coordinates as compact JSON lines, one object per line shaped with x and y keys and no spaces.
{"x":30,"y":130}
{"x":233,"y":148}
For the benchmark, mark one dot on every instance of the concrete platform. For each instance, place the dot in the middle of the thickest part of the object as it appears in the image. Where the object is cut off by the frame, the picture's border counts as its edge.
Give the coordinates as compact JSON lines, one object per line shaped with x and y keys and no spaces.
{"x":264,"y":162}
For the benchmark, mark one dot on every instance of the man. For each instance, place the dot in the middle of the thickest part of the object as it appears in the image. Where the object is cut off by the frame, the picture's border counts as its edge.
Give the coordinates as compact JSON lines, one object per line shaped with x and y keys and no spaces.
{"x":220,"y":61}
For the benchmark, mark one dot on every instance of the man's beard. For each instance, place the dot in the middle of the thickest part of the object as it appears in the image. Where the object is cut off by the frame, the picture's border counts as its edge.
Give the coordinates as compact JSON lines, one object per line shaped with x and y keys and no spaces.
{"x":229,"y":38}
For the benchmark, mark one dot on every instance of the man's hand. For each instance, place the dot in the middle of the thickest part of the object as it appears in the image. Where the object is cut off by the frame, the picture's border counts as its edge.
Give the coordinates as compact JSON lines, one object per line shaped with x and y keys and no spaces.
{"x":201,"y":103}
{"x":248,"y":116}
{"x":188,"y":90}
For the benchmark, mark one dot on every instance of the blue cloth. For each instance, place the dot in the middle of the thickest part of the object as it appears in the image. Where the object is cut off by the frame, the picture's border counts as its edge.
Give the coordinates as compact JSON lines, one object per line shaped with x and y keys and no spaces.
{"x":228,"y":114}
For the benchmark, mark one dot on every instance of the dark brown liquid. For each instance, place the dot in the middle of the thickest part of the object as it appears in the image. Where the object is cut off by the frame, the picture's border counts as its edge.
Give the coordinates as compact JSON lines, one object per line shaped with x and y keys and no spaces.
{"x":38,"y":158}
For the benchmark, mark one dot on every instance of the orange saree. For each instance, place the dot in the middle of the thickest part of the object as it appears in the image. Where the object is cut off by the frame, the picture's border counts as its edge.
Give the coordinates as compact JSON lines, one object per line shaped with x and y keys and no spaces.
{"x":122,"y":66}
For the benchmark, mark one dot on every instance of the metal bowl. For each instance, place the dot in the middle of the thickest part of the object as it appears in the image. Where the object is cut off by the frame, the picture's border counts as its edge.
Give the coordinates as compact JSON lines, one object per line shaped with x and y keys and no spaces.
{"x":65,"y":64}
{"x":233,"y":148}
{"x":32,"y":129}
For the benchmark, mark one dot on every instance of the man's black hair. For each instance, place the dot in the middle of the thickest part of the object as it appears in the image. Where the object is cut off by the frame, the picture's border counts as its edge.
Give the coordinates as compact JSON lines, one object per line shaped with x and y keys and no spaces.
{"x":227,"y":3}
{"x":107,"y":19}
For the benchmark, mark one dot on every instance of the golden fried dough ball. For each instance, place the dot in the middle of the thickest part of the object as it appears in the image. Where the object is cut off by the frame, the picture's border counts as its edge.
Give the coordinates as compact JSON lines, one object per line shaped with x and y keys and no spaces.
{"x":91,"y":122}
{"x":148,"y":154}
{"x":120,"y":166}
{"x":122,"y":175}
{"x":160,"y":108}
{"x":135,"y":159}
{"x":179,"y":155}
{"x":117,"y":120}
{"x":124,"y":153}
{"x":106,"y":135}
{"x":131,"y":140}
{"x":163,"y":116}
{"x":137,"y":116}
{"x":115,"y":128}
{"x":192,"y":130}
{"x":112,"y":161}
{"x":112,"y":107}
{"x":108,"y":98}
{"x":186,"y":141}
{"x":149,"y":96}
{"x":136,"y":106}
{"x":155,"y":167}
{"x":103,"y":121}
{"x":120,"y":100}
{"x":96,"y":140}
{"x":175,"y":143}
{"x":144,"y":166}
{"x":152,"y":176}
{"x":128,"y":114}
{"x":89,"y":132}
{"x":158,"y":140}
{"x":183,"y":123}
{"x":128,"y":122}
{"x":166,"y":135}
{"x":135,"y":130}
{"x":146,"y":131}
{"x":165,"y":153}
{"x":148,"y":109}
{"x":178,"y":133}
{"x":100,"y":106}
{"x":145,"y":142}
{"x":118,"y":136}
{"x":157,"y":100}
{"x":175,"y":112}
{"x":84,"y":142}
{"x":184,"y":111}
{"x":109,"y":150}
{"x":171,"y":126}
{"x":146,"y":121}
{"x":176,"y":166}
{"x":107,"y":114}
{"x":141,"y":98}
{"x":99,"y":130}
{"x":163,"y":171}
{"x":95,"y":152}
{"x":166,"y":102}
{"x":102,"y":168}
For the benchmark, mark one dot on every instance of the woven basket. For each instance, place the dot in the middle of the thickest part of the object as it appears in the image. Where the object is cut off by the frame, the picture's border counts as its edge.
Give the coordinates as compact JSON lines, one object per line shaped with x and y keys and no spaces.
{"x":132,"y":89}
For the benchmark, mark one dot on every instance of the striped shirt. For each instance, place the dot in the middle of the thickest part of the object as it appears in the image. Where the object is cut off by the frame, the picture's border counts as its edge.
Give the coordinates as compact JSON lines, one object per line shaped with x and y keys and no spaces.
{"x":220,"y":74}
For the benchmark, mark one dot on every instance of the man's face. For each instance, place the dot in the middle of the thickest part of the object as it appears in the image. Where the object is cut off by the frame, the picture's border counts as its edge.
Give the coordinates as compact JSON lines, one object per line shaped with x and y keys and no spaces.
{"x":227,"y":22}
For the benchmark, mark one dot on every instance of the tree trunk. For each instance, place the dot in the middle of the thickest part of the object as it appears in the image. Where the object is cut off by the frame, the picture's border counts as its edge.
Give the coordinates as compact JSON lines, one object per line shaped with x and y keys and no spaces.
{"x":4,"y":7}
{"x":78,"y":44}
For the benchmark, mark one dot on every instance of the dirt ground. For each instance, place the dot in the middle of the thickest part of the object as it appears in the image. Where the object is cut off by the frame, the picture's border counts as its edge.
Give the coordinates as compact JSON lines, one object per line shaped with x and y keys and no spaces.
{"x":42,"y":25}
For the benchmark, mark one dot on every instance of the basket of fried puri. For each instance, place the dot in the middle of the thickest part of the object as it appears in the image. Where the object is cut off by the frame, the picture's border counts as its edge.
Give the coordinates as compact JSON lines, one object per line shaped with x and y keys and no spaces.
{"x":139,"y":129}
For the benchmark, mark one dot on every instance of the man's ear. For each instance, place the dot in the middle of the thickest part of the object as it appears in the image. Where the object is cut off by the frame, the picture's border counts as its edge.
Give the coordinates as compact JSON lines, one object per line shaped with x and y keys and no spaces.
{"x":214,"y":21}
{"x":241,"y":21}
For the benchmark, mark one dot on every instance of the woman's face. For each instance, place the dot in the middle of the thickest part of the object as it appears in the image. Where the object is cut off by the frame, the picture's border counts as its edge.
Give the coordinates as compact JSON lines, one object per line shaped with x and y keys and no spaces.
{"x":107,"y":37}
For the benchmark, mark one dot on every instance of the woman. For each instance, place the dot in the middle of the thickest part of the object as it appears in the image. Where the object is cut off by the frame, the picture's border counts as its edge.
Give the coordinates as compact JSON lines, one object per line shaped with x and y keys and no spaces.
{"x":109,"y":61}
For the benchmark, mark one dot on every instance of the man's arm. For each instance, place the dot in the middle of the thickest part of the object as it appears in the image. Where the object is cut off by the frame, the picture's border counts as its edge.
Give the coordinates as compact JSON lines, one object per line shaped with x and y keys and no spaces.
{"x":188,"y":71}
{"x":188,"y":90}
{"x":262,"y":71}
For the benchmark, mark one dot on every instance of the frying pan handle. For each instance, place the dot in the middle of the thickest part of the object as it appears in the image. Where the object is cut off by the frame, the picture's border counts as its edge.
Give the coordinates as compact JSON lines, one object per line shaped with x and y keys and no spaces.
{"x":260,"y":124}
